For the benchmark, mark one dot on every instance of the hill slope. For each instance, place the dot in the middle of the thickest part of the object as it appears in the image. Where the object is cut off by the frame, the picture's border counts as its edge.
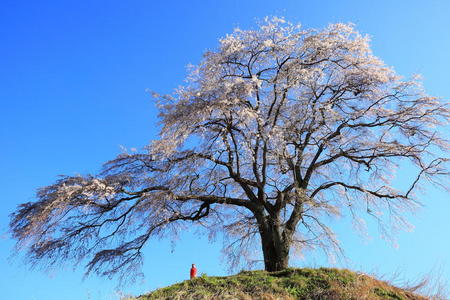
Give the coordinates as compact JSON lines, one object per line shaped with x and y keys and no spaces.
{"x":323,"y":283}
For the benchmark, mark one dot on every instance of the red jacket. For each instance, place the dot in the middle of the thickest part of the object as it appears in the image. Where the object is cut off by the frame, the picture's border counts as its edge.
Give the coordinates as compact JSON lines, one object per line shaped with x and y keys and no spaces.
{"x":193,"y":271}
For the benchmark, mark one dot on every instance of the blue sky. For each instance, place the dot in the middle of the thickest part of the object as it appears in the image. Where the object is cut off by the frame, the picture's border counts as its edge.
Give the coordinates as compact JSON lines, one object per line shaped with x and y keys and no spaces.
{"x":73,"y":80}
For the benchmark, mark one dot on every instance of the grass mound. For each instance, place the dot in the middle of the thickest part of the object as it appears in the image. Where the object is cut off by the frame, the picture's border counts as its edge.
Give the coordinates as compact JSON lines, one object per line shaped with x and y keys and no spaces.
{"x":323,"y":283}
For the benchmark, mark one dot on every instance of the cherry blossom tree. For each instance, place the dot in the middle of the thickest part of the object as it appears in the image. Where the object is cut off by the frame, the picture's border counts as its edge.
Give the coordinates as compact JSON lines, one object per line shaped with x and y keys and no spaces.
{"x":276,"y":130}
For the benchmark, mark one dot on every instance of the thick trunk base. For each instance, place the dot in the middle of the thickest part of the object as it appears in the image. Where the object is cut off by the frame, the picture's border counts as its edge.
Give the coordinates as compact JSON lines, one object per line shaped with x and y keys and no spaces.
{"x":275,"y":250}
{"x":274,"y":264}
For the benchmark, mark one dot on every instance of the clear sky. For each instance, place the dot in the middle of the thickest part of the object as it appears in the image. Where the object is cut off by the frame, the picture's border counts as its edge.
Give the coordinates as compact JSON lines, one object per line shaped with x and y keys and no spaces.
{"x":73,"y":80}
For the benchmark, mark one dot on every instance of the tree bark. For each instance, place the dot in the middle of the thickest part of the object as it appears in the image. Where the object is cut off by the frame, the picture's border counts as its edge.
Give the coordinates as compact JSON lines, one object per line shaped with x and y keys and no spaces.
{"x":275,"y":246}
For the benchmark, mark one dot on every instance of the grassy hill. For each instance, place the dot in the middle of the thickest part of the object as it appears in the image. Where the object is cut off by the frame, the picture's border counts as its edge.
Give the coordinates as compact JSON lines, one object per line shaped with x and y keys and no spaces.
{"x":323,"y":283}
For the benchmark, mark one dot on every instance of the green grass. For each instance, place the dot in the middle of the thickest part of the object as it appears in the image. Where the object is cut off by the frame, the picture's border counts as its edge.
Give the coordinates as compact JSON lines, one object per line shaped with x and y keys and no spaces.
{"x":323,"y":283}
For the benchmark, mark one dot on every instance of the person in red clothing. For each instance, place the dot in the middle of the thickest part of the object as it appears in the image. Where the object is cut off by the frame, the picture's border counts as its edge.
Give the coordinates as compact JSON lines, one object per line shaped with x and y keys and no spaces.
{"x":193,"y":271}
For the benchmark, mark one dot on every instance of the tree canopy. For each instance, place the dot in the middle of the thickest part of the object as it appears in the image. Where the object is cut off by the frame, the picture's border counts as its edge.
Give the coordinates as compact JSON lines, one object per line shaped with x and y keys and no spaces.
{"x":277,"y":129}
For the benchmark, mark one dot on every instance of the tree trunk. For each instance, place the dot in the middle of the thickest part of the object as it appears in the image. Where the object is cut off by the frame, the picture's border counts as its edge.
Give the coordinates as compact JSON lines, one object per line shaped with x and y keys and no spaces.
{"x":275,"y":247}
